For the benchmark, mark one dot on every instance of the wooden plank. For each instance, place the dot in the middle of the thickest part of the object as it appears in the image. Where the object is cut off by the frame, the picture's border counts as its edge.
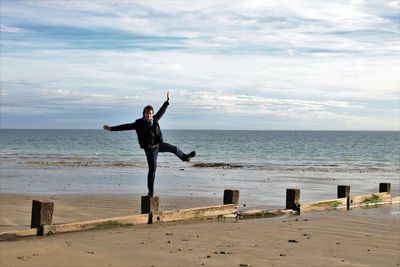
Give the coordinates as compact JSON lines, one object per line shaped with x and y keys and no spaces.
{"x":377,"y":198}
{"x":395,"y":200}
{"x":337,"y":203}
{"x":101,"y":223}
{"x":195,"y":213}
{"x":166,"y":216}
{"x":260,"y":213}
{"x":18,"y":233}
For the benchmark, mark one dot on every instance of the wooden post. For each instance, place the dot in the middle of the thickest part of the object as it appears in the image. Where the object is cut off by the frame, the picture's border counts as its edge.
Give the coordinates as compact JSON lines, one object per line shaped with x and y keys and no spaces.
{"x":231,"y":196}
{"x":42,"y":213}
{"x":384,"y":187}
{"x":150,"y":204}
{"x":343,"y":191}
{"x":293,"y":199}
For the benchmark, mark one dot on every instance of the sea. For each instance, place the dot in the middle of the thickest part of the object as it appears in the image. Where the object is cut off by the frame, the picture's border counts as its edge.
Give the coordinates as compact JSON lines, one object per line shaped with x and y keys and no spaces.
{"x":260,"y":164}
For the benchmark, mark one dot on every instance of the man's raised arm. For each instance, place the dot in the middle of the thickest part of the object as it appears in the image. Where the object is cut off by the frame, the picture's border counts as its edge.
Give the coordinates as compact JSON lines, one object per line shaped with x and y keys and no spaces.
{"x":163,"y":108}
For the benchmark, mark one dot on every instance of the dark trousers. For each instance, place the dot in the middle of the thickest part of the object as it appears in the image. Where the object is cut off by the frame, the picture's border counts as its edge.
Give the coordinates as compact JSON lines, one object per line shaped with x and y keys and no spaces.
{"x":152,"y":154}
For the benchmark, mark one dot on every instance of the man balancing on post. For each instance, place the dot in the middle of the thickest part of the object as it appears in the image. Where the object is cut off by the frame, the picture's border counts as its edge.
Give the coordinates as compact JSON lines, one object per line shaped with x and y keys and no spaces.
{"x":151,"y":140}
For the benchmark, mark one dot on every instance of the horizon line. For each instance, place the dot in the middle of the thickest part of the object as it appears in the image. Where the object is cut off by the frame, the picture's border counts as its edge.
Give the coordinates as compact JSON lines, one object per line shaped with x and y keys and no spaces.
{"x":192,"y":129}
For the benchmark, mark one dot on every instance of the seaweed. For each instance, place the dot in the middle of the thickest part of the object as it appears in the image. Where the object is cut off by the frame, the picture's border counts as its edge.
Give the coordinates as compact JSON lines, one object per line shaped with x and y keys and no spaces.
{"x":372,"y":199}
{"x":326,"y":204}
{"x":112,"y":224}
{"x":217,"y":165}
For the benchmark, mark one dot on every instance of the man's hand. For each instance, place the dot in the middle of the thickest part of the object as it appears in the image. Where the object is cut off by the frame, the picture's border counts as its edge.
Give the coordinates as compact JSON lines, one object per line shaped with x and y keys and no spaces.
{"x":106,"y":127}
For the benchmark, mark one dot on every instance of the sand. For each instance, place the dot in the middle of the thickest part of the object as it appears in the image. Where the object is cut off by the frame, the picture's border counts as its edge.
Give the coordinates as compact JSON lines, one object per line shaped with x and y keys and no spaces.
{"x":360,"y":237}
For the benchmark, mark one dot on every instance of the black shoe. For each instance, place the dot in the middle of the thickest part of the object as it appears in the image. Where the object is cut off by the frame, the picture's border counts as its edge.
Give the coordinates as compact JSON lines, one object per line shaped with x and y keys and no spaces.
{"x":150,"y":194}
{"x":188,"y":157}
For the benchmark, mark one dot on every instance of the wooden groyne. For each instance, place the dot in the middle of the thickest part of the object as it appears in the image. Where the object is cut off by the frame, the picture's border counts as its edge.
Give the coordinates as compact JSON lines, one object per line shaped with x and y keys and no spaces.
{"x":42,"y":211}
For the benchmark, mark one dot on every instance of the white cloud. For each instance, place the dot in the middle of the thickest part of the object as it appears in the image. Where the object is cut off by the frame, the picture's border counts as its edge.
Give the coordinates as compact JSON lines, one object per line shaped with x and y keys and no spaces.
{"x":10,"y":29}
{"x":297,"y":60}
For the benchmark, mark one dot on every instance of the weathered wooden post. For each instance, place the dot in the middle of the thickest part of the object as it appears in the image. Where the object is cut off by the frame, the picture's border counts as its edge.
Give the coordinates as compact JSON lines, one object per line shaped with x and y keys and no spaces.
{"x":343,"y":191}
{"x":293,"y":199}
{"x":42,"y":213}
{"x":231,"y":196}
{"x":150,"y":204}
{"x":384,"y":187}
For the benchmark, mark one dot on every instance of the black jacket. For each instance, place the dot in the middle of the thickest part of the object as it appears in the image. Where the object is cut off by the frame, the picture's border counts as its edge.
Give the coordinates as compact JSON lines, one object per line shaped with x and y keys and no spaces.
{"x":148,"y":135}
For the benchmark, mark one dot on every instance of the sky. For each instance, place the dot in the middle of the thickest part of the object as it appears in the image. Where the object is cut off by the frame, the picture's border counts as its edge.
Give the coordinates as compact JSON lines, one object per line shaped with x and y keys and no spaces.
{"x":235,"y":65}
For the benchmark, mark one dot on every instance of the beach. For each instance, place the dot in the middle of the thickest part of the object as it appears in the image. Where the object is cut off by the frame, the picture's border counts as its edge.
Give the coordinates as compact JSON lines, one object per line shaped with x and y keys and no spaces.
{"x":359,"y":237}
{"x":104,"y":176}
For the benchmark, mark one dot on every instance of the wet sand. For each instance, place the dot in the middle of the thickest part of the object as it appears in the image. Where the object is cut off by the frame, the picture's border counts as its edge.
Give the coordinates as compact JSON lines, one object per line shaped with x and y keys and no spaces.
{"x":360,"y":237}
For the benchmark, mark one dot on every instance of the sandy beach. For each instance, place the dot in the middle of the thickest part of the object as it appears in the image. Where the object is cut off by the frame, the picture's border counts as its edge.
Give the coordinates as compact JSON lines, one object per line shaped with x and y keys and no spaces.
{"x":360,"y":237}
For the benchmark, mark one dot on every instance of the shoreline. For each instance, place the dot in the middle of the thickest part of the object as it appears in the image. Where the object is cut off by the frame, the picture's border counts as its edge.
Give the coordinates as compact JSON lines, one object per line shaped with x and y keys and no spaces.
{"x":257,"y":188}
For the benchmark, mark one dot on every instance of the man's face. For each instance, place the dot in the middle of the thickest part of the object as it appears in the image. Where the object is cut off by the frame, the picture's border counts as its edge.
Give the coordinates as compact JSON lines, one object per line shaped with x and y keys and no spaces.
{"x":148,"y":114}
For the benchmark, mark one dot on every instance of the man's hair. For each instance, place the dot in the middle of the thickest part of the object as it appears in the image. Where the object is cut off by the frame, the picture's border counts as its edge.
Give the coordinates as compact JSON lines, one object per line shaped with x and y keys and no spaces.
{"x":147,"y":108}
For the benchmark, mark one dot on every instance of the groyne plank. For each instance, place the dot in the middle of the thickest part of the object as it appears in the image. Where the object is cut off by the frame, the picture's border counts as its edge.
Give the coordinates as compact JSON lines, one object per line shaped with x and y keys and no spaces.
{"x":375,"y":198}
{"x":195,"y":213}
{"x":337,"y":203}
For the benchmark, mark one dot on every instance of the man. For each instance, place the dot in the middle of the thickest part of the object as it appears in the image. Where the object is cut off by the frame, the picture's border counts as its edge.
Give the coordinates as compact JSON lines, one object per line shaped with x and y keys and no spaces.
{"x":151,"y":140}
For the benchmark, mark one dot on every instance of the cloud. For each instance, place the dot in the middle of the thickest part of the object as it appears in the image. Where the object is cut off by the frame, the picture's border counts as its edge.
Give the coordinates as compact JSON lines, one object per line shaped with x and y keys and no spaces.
{"x":10,"y":29}
{"x":303,"y":60}
{"x":239,"y":25}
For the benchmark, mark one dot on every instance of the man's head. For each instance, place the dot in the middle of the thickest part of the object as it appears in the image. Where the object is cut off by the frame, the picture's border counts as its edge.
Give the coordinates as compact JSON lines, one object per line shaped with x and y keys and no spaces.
{"x":148,"y":112}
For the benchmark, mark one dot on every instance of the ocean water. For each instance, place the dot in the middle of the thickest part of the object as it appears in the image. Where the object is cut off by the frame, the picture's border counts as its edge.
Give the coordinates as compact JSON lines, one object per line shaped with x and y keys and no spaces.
{"x":259,"y":163}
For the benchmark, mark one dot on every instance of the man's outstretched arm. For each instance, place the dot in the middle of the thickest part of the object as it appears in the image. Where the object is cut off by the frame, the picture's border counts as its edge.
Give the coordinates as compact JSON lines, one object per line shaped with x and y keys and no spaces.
{"x":122,"y":127}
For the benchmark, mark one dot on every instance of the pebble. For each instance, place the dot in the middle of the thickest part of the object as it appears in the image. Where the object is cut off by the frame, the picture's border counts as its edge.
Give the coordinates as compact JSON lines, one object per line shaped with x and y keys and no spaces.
{"x":245,"y":265}
{"x":293,"y":241}
{"x":222,"y":252}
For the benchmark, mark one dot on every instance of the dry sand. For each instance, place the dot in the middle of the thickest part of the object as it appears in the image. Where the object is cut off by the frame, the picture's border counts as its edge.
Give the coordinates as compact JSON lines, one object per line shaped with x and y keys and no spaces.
{"x":360,"y":237}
